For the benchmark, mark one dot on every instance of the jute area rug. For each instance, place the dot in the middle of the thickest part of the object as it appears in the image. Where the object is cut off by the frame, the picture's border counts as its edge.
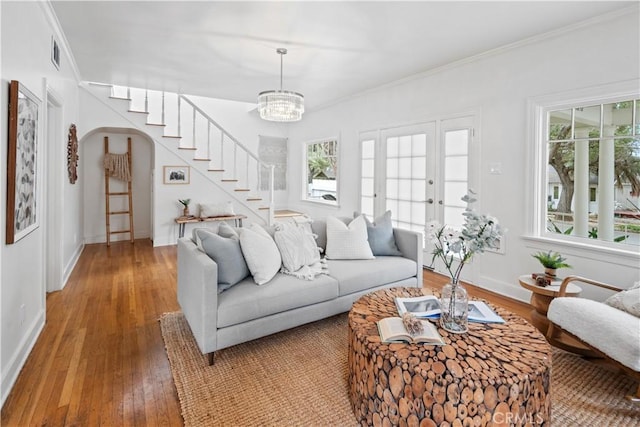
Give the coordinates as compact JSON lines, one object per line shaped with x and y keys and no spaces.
{"x":299,"y":378}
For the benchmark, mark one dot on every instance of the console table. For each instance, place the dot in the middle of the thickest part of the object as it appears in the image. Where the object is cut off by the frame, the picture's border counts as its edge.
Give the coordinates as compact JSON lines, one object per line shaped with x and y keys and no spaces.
{"x":182,"y":221}
{"x":495,"y":374}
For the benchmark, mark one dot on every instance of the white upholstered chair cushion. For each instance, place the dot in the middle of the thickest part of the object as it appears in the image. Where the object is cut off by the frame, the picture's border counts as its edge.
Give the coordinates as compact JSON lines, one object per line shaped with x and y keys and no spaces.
{"x":614,"y":332}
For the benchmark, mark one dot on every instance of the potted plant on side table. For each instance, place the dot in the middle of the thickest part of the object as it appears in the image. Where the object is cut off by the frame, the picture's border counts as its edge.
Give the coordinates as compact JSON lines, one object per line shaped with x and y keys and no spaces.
{"x":551,"y":261}
{"x":185,"y":205}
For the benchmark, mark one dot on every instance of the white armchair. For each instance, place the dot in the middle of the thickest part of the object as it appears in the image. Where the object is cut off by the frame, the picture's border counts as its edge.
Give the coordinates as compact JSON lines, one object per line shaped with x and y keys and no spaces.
{"x":612,"y":333}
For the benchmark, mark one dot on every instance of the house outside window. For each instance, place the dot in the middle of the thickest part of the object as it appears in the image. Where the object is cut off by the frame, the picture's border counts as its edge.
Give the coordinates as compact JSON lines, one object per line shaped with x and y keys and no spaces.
{"x":592,"y":171}
{"x":321,"y":160}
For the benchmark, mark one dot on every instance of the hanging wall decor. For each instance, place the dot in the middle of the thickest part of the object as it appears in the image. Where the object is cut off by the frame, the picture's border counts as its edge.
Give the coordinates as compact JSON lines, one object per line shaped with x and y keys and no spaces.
{"x":72,"y":154}
{"x":22,"y":198}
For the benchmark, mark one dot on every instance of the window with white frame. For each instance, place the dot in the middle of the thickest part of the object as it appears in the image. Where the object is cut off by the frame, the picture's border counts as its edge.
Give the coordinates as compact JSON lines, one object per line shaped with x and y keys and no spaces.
{"x":590,"y":171}
{"x":321,"y":161}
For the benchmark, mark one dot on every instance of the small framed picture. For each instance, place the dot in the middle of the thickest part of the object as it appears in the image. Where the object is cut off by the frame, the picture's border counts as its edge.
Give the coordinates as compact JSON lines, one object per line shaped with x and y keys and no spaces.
{"x":176,"y":174}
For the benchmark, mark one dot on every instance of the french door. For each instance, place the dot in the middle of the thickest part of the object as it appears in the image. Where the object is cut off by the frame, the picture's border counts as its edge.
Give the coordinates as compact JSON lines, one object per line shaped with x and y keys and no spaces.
{"x":419,"y":172}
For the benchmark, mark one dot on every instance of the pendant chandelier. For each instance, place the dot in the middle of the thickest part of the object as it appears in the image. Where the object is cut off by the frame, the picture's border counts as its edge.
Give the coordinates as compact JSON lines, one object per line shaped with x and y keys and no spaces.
{"x":281,"y":105}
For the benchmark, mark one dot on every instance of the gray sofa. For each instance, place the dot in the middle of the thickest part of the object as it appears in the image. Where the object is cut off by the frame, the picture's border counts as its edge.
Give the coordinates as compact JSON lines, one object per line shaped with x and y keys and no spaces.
{"x":247,"y":311}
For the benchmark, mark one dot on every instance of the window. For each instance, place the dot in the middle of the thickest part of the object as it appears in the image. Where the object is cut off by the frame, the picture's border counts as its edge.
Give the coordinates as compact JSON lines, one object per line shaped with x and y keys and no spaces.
{"x":592,"y":171}
{"x":367,"y":181}
{"x":322,"y":171}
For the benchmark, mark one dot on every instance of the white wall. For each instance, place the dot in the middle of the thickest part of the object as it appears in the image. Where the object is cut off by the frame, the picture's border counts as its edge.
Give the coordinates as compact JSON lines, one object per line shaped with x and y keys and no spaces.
{"x":498,"y":86}
{"x":26,"y":29}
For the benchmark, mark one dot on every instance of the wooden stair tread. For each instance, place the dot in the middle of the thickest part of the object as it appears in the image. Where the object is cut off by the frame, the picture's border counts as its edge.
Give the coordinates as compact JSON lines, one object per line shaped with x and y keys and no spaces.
{"x":201,"y":160}
{"x":139,"y":112}
{"x":122,"y":193}
{"x":155,"y":124}
{"x":241,"y":189}
{"x":171,"y":136}
{"x":118,"y":212}
{"x":119,"y":97}
{"x":187,"y":148}
{"x":254,"y":199}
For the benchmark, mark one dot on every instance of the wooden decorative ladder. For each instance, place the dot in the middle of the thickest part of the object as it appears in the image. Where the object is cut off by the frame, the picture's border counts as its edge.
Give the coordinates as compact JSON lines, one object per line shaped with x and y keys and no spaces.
{"x":108,"y":194}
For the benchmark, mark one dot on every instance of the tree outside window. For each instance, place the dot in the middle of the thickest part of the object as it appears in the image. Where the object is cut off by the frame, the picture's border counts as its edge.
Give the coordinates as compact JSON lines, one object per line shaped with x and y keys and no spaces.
{"x":322,"y":167}
{"x":594,"y":161}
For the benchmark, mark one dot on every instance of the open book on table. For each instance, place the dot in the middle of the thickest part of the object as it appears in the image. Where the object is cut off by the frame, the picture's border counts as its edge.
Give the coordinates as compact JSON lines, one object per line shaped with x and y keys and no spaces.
{"x":392,"y":329}
{"x":429,"y":306}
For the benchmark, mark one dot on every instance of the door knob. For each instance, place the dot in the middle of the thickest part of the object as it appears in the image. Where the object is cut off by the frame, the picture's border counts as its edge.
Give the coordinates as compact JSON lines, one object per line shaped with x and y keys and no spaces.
{"x":430,"y":201}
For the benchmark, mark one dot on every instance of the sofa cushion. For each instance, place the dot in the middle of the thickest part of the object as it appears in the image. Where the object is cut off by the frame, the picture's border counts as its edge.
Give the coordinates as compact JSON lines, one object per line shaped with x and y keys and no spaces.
{"x":246,"y":301}
{"x":319,"y":228}
{"x":209,"y":210}
{"x":260,"y":253}
{"x":347,"y":241}
{"x":380,"y":236}
{"x":614,"y":332}
{"x":628,"y":300}
{"x":227,"y":254}
{"x":358,"y":275}
{"x":297,"y":246}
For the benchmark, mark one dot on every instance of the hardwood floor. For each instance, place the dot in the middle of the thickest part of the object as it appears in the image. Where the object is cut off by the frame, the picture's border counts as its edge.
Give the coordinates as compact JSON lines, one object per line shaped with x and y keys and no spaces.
{"x":100,"y":359}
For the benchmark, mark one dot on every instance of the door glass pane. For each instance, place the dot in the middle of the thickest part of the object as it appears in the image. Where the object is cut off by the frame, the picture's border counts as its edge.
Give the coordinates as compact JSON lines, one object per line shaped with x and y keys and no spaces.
{"x":392,"y":147}
{"x":404,"y":146}
{"x":404,"y":167}
{"x":404,"y":211}
{"x":404,"y":189}
{"x":367,"y":187}
{"x":392,"y":168}
{"x":419,"y":143}
{"x":418,"y":190}
{"x":417,"y":212}
{"x":366,"y":206}
{"x":392,"y":189}
{"x":367,"y":168}
{"x":419,"y":167}
{"x":368,"y":149}
{"x":455,"y":168}
{"x":456,"y":173}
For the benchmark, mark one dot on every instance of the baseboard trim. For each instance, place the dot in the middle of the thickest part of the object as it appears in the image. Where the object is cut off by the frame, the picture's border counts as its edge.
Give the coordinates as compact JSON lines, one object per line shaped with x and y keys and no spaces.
{"x":72,"y":264}
{"x":19,"y":358}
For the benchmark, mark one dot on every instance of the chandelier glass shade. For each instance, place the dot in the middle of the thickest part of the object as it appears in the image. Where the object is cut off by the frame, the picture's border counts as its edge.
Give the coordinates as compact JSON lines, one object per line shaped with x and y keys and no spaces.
{"x":280,"y":105}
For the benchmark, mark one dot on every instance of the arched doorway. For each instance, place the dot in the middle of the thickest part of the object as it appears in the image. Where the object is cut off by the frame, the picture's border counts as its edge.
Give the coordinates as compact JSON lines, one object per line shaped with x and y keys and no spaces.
{"x":142,"y":155}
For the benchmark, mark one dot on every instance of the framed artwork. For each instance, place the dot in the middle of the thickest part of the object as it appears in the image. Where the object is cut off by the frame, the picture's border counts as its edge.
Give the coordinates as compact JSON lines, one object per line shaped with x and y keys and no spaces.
{"x":176,"y":174}
{"x":22,"y":160}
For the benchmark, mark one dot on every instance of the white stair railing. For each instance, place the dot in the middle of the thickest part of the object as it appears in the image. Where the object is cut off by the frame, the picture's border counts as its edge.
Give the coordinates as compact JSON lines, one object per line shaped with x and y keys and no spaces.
{"x":224,"y":154}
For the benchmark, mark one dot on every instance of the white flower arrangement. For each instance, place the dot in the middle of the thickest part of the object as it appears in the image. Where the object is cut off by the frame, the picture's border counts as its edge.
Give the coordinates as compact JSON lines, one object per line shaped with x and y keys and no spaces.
{"x":479,"y":232}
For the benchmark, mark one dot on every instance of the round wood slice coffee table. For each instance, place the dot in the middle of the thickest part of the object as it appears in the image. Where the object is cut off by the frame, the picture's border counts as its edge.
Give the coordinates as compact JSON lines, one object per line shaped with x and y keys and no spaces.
{"x":495,"y":374}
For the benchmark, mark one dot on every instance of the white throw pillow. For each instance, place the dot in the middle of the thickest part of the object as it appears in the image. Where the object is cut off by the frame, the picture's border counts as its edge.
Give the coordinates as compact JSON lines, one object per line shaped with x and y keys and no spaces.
{"x":628,"y":300}
{"x":347,"y":241}
{"x":297,"y":246}
{"x":208,"y":210}
{"x":260,"y":252}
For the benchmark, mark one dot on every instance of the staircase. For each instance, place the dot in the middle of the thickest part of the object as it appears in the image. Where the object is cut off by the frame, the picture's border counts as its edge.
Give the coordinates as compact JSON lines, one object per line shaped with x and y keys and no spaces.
{"x":176,"y":123}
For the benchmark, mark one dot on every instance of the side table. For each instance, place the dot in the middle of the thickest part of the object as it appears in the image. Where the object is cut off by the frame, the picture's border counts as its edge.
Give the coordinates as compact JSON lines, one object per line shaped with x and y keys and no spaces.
{"x":183,"y":220}
{"x":541,"y":297}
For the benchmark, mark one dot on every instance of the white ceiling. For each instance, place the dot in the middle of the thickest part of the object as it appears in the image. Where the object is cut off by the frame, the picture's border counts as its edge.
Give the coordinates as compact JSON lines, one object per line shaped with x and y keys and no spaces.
{"x":228,"y":49}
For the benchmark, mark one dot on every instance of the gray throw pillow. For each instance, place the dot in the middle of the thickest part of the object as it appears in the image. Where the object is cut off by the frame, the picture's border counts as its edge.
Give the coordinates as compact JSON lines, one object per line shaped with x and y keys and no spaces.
{"x":380,"y":234}
{"x":226,"y":252}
